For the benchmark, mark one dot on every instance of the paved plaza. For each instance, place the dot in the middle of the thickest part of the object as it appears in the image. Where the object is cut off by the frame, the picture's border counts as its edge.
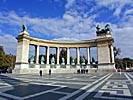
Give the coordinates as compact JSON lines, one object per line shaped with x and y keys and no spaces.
{"x":92,"y":86}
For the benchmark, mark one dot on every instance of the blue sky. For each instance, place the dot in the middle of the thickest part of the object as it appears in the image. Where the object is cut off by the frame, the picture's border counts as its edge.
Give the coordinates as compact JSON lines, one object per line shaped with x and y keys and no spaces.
{"x":66,"y":20}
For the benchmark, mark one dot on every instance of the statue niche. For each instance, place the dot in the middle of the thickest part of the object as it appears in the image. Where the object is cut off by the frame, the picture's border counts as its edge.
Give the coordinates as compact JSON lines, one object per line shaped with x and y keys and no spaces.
{"x":106,"y":30}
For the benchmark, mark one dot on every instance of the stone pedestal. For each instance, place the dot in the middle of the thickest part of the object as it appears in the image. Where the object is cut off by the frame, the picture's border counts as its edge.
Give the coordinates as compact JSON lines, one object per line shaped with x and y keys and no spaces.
{"x":78,"y":66}
{"x":22,"y":52}
{"x":105,"y":52}
{"x":104,"y":35}
{"x":106,"y":67}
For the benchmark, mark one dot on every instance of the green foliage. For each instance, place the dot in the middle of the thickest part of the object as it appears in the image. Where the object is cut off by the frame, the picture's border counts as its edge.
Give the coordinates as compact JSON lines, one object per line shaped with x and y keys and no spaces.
{"x":117,"y":51}
{"x":123,"y":63}
{"x":1,"y":51}
{"x":6,"y":60}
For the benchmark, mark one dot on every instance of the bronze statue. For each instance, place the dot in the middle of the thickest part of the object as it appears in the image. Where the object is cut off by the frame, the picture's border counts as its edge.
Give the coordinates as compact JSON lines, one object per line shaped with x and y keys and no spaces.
{"x":52,"y":60}
{"x":106,"y":29}
{"x":32,"y":59}
{"x":42,"y":60}
{"x":98,"y":28}
{"x":24,"y":28}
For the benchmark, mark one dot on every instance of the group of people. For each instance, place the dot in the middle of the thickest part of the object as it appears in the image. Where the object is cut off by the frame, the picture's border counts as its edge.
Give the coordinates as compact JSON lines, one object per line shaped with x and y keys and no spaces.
{"x":82,"y":71}
{"x":40,"y":72}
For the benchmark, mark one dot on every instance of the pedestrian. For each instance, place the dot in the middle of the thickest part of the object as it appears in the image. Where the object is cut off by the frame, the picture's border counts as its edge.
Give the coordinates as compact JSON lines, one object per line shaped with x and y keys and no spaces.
{"x":40,"y":72}
{"x":120,"y":71}
{"x":49,"y":71}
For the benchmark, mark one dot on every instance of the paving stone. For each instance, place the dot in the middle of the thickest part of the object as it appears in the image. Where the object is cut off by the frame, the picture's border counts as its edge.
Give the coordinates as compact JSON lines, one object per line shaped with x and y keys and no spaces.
{"x":91,"y":86}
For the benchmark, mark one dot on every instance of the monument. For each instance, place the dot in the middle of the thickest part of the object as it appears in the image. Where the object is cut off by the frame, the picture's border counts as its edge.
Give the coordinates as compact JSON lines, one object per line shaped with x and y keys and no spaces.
{"x":31,"y":60}
{"x":103,"y":42}
{"x":63,"y":61}
{"x":42,"y":60}
{"x":52,"y":60}
{"x":72,"y":62}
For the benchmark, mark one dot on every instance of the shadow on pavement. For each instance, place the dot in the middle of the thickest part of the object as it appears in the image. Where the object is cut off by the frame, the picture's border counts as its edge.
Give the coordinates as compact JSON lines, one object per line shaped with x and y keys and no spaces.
{"x":20,"y":89}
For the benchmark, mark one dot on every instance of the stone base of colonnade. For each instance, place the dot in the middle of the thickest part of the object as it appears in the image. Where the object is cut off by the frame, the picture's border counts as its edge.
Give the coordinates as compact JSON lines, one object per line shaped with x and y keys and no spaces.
{"x":35,"y":68}
{"x":106,"y":67}
{"x":26,"y":69}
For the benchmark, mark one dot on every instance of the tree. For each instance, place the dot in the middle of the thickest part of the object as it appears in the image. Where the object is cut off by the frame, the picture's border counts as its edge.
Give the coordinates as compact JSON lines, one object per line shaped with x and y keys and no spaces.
{"x":11,"y":60}
{"x":4,"y":60}
{"x":118,"y":61}
{"x":117,"y":51}
{"x":128,"y":62}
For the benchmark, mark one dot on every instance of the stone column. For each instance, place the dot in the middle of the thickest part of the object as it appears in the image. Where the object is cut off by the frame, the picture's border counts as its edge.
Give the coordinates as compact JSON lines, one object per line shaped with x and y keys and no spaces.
{"x":58,"y":54}
{"x":112,"y":54}
{"x":22,"y":53}
{"x":47,"y":53}
{"x":88,"y":55}
{"x":103,"y":53}
{"x":37,"y":54}
{"x":78,"y":55}
{"x":68,"y":56}
{"x":104,"y":57}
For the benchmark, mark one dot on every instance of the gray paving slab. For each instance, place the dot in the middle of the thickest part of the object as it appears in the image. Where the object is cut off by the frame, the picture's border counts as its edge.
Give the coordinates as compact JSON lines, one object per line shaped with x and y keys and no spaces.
{"x":91,"y":86}
{"x":47,"y":96}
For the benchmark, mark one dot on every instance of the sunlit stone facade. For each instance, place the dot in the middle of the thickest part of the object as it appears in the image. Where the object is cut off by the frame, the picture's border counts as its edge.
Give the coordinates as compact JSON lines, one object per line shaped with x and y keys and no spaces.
{"x":104,"y":44}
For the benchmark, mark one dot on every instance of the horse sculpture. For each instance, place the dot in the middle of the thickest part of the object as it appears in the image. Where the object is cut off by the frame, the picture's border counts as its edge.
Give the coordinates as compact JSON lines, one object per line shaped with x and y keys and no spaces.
{"x":106,"y":29}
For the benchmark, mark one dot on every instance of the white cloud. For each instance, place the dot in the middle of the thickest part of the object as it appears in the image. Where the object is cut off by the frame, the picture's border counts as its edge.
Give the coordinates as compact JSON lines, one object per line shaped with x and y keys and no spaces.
{"x":9,"y":43}
{"x":68,"y":17}
{"x":52,"y":27}
{"x":129,"y":11}
{"x":116,"y":5}
{"x":69,"y":3}
{"x":117,"y":11}
{"x":76,"y":24}
{"x":126,"y":21}
{"x":124,"y":39}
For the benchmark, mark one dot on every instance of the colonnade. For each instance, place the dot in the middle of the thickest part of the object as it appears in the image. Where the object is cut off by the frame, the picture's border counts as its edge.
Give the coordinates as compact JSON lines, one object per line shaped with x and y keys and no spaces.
{"x":68,"y":54}
{"x":58,"y":54}
{"x":104,"y":44}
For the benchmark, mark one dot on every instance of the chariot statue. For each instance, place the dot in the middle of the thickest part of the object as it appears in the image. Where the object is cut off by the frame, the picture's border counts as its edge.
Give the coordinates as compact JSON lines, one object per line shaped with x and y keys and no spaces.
{"x":107,"y":29}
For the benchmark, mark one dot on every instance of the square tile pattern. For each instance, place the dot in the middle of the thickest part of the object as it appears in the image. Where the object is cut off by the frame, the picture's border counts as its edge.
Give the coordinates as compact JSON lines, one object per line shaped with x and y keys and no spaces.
{"x":91,"y":86}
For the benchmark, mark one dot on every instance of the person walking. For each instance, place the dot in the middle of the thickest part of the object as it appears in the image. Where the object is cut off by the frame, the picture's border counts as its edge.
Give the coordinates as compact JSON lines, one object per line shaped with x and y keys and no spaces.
{"x":49,"y":71}
{"x":40,"y":72}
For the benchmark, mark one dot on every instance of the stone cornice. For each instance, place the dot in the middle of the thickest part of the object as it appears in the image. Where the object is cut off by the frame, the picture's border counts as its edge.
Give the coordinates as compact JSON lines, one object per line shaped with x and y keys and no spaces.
{"x":83,"y":43}
{"x":55,"y":43}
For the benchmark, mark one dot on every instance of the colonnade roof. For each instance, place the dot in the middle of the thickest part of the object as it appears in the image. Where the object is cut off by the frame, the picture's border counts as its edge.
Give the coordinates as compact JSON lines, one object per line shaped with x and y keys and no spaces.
{"x":55,"y":43}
